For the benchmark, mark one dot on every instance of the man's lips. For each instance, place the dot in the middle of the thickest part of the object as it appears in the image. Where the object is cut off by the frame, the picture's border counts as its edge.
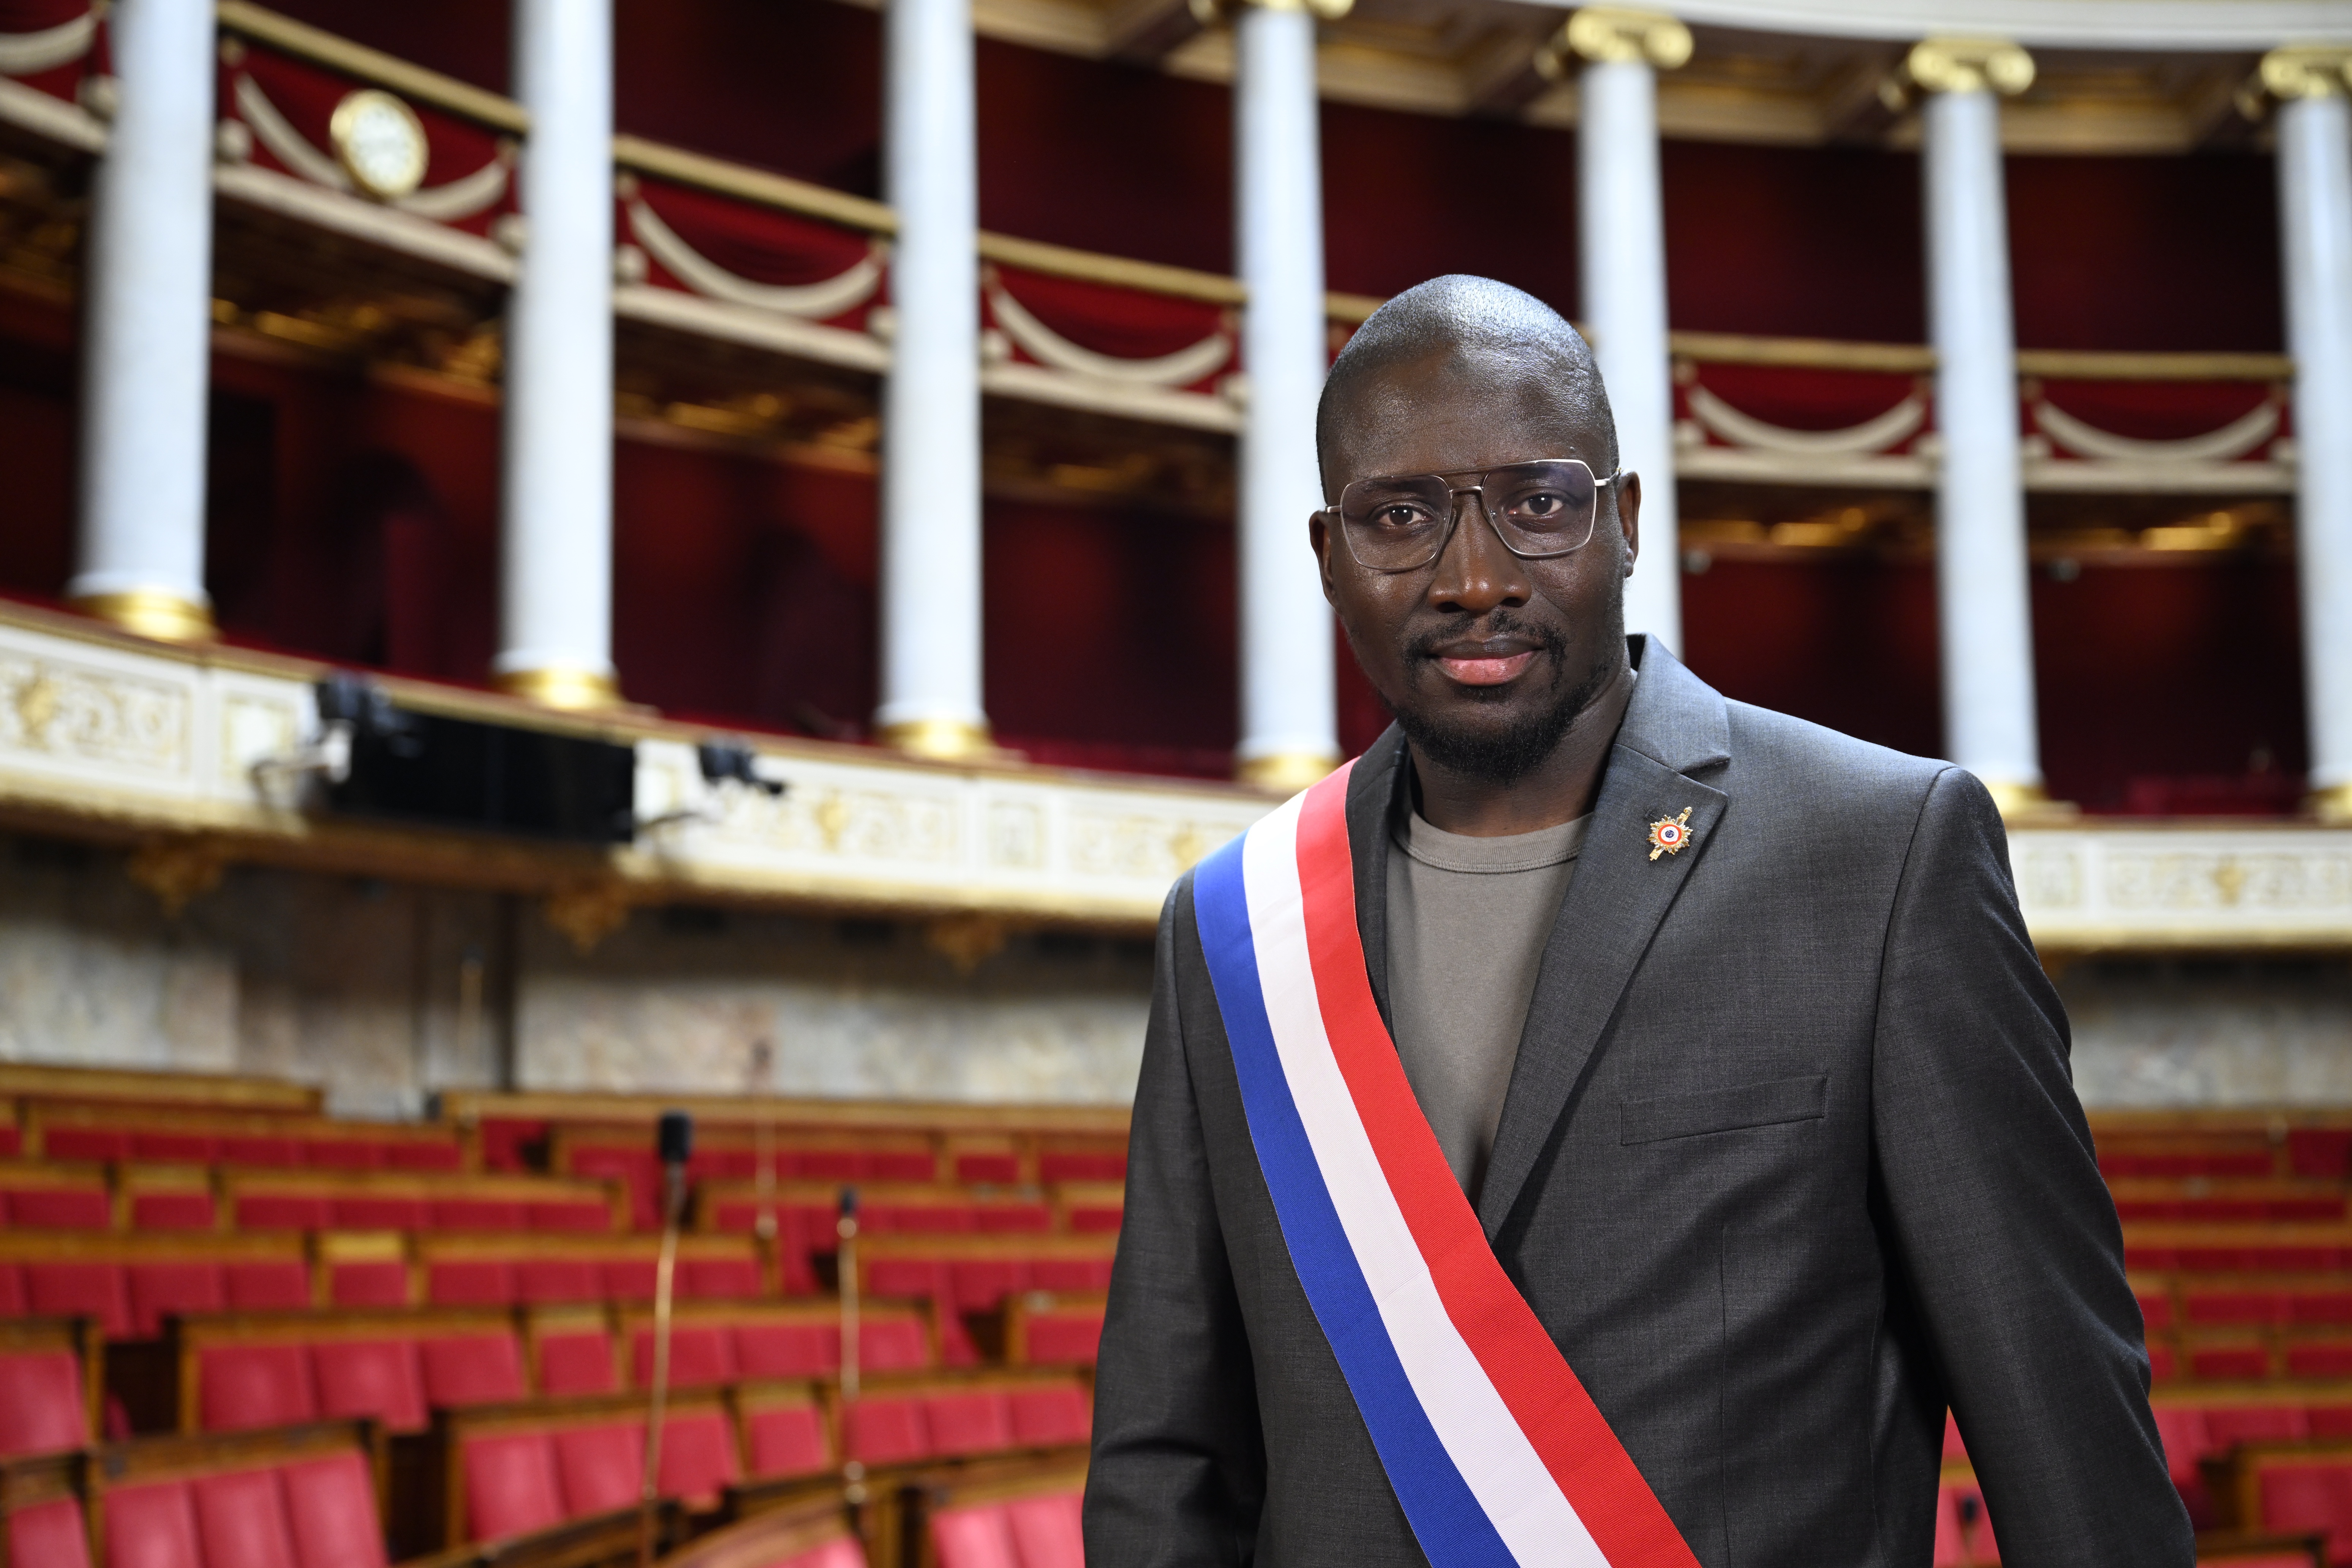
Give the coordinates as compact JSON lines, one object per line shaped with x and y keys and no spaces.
{"x":1486,"y":668}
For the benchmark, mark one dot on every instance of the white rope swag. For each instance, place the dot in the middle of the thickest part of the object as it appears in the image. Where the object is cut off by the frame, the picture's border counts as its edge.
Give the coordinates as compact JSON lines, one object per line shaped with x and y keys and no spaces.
{"x":29,"y":54}
{"x":459,"y":199}
{"x":1048,"y":347}
{"x":845,"y":290}
{"x":1899,"y":424}
{"x":2235,"y":440}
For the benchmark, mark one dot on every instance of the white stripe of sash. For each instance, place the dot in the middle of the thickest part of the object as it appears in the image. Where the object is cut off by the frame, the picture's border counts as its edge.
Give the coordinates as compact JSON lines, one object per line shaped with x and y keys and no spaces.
{"x":1502,"y":1468}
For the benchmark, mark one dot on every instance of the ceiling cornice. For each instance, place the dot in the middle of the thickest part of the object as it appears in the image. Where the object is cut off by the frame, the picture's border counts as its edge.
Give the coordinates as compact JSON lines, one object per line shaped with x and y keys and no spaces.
{"x":2131,"y":24}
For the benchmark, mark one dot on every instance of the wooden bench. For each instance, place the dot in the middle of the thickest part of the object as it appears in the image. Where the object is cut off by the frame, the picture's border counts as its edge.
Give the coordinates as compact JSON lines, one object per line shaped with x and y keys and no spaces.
{"x":131,"y":1283}
{"x":209,"y":1136}
{"x":2287,"y":1487}
{"x":2205,"y":1200}
{"x":1021,"y":1511}
{"x":52,"y":1385}
{"x":714,"y":1342}
{"x":234,"y":1371}
{"x":917,"y":1418}
{"x":452,"y":1269}
{"x":811,"y":1533}
{"x":373,"y":1200}
{"x":607,"y":1540}
{"x":34,"y":1082}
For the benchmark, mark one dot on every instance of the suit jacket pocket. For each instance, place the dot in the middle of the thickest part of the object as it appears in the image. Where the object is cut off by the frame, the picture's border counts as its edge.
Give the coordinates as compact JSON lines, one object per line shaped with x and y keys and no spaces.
{"x":1781,"y":1099}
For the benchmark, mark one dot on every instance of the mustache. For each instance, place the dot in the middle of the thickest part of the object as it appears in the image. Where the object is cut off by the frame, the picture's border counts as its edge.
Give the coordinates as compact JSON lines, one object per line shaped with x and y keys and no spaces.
{"x":1422,"y":647}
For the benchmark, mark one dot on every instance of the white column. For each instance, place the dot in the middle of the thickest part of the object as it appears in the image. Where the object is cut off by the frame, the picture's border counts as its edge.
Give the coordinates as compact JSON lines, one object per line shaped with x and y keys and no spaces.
{"x":1623,"y":234}
{"x":932,"y":701}
{"x":1982,"y":588}
{"x":2314,"y":176}
{"x":555,"y":632}
{"x":1289,"y":716}
{"x":149,"y":320}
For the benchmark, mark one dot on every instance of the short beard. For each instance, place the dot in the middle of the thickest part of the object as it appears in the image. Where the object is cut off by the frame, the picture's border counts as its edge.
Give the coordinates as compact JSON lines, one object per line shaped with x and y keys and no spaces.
{"x":1501,"y":757}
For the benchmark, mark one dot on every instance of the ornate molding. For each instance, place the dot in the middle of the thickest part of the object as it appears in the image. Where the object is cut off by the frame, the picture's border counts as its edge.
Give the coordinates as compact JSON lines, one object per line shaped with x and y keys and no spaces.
{"x":1969,"y":65}
{"x":155,"y":613}
{"x":178,"y":868}
{"x":2303,"y":70}
{"x":1215,"y":12}
{"x":571,"y":686}
{"x":1610,"y":35}
{"x":941,"y":740}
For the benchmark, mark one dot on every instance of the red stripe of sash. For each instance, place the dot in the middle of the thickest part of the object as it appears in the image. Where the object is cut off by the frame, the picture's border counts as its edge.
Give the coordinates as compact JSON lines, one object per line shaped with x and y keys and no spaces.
{"x":1584,"y":1456}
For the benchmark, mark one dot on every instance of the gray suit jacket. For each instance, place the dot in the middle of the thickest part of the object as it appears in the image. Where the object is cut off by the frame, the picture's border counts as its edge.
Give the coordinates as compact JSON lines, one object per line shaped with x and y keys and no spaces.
{"x":1790,"y":1160}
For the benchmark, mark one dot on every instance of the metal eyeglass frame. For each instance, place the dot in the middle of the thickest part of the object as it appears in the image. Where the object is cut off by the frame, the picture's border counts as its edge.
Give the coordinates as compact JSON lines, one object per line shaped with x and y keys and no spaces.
{"x":1453,"y":492}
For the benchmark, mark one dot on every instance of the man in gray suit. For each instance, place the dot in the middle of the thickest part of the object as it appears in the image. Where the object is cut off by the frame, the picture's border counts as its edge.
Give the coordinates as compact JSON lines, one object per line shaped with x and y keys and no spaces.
{"x":1765,"y":1115}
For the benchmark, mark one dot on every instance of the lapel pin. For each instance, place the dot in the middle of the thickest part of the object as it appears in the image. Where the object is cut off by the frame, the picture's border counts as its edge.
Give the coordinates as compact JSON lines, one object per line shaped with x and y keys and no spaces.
{"x":1669,"y":833}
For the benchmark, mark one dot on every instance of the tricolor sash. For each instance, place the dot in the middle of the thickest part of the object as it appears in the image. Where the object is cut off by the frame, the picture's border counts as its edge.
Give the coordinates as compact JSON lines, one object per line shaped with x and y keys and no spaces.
{"x":1495,"y":1451}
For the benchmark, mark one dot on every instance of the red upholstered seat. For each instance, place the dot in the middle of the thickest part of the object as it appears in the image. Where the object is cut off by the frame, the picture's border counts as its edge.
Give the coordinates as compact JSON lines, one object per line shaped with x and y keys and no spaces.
{"x":510,"y":1486}
{"x":1043,"y":1415}
{"x":2181,"y":1428}
{"x":151,"y":1526}
{"x":172,"y":1211}
{"x":719,"y":1278}
{"x":413,"y":1156}
{"x":2330,"y":1420}
{"x":546,"y":1281}
{"x":1002,"y":1170}
{"x":85,"y":1143}
{"x":886,"y":1431}
{"x":265,"y":1151}
{"x":2313,"y":1496}
{"x":2320,"y":1151}
{"x":980,"y":1284}
{"x":1081,"y":1167}
{"x":2227,"y":1425}
{"x":894,"y":1344}
{"x":266,"y":1287}
{"x":177,"y":1147}
{"x":698,"y":1356}
{"x":506,"y":1142}
{"x":90,"y":1289}
{"x":370,"y":1377}
{"x":2156,"y":1311}
{"x":631,"y":1279}
{"x":976,"y":1422}
{"x":1065,"y":1338}
{"x":2320,"y":1307}
{"x":1963,"y":1529}
{"x":241,"y":1519}
{"x":573,"y":1214}
{"x":2329,"y":1360}
{"x":789,"y":1441}
{"x":49,"y":1534}
{"x":368,"y":1285}
{"x":478,"y":1214}
{"x":908,"y":1277}
{"x":159,"y":1289}
{"x":2209,"y":1308}
{"x":471,"y":1369}
{"x":1096,"y":1219}
{"x":1070,"y":1274}
{"x":600,"y":1467}
{"x":576,"y":1363}
{"x":698,"y":1457}
{"x":1045,"y":1531}
{"x":330,"y":1513}
{"x":973,"y":1538}
{"x":61,"y":1208}
{"x":41,"y":1404}
{"x":12,"y":1290}
{"x":2160,"y":1361}
{"x":2222,"y":1364}
{"x":786,"y":1350}
{"x":382,"y":1213}
{"x":244,"y":1386}
{"x":283,"y":1211}
{"x":474,"y":1283}
{"x":343,"y":1154}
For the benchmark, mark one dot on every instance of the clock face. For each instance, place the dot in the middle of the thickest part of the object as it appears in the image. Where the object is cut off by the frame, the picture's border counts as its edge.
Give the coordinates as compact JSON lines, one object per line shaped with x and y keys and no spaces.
{"x":381,"y":143}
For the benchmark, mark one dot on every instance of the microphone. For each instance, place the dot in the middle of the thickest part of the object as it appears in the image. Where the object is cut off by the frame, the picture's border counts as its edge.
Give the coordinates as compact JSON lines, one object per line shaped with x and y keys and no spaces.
{"x":845,"y":1272}
{"x":674,"y":1145}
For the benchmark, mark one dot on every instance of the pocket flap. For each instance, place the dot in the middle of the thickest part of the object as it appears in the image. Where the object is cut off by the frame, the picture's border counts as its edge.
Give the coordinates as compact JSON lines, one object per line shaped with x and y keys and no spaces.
{"x":1722,"y":1109}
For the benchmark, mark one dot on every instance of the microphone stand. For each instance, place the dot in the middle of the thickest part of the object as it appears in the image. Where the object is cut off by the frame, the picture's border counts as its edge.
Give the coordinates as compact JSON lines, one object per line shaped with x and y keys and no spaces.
{"x":853,"y":1473}
{"x":676,"y":1144}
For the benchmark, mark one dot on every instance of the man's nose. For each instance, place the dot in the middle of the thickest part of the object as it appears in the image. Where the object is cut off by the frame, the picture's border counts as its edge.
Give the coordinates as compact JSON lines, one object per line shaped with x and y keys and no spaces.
{"x":1475,"y":573}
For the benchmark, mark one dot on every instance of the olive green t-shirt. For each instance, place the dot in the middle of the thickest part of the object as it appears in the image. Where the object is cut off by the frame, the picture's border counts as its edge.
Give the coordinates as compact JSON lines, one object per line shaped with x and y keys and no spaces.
{"x":1468,"y":921}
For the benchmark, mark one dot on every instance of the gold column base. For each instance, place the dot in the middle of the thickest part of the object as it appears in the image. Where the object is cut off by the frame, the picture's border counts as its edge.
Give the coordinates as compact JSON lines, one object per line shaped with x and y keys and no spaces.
{"x":2029,"y":803}
{"x":2332,"y":806}
{"x":155,"y":613}
{"x":564,"y":686}
{"x":941,"y":740}
{"x":1284,"y":773}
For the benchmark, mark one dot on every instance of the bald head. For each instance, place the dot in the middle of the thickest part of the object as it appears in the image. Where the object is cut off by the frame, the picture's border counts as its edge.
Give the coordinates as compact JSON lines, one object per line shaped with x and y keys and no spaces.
{"x":1464,"y":334}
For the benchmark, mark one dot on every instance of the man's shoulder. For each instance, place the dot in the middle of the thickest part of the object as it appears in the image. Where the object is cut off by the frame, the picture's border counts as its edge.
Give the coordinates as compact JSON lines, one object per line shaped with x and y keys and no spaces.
{"x":1808,"y":768}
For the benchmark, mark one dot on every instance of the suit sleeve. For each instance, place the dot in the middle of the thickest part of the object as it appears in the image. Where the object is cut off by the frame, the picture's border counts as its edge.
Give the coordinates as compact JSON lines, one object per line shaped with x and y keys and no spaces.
{"x":1178,"y":1469}
{"x":1999,"y":1218}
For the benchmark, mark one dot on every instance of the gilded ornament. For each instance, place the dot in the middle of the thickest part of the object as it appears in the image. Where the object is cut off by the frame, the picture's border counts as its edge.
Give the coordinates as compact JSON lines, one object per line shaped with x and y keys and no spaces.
{"x":1668,"y":835}
{"x":2306,"y":70}
{"x":1610,"y":35}
{"x":156,"y":613}
{"x":588,"y":912}
{"x":1970,"y":65}
{"x":941,"y":740}
{"x":178,"y":869}
{"x":566,"y":686}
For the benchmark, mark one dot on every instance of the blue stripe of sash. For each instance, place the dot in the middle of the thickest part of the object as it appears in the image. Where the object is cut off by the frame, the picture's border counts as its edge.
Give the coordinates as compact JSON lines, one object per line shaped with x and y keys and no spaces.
{"x":1453,"y":1529}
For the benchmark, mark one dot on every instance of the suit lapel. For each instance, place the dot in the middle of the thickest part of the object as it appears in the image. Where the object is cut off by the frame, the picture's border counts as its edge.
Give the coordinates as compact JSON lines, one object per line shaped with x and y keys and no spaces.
{"x":1676,"y":724}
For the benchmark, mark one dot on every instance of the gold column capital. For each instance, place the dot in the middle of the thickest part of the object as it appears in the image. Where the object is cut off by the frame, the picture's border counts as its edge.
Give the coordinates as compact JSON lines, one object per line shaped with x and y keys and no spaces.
{"x":567,"y":686}
{"x":1969,"y":65}
{"x":2029,"y":803}
{"x":1614,"y":35}
{"x":2306,"y":70}
{"x":941,"y":740}
{"x":1284,"y":773}
{"x":156,"y":613}
{"x":1214,"y":13}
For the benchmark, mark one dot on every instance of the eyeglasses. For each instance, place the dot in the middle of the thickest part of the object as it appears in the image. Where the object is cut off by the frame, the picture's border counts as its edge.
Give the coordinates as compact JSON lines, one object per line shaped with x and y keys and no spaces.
{"x":1398,"y":521}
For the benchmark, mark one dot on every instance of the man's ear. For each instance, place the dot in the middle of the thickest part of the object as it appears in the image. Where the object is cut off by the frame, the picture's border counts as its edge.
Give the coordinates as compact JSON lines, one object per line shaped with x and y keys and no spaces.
{"x":1629,"y":517}
{"x":1319,"y":537}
